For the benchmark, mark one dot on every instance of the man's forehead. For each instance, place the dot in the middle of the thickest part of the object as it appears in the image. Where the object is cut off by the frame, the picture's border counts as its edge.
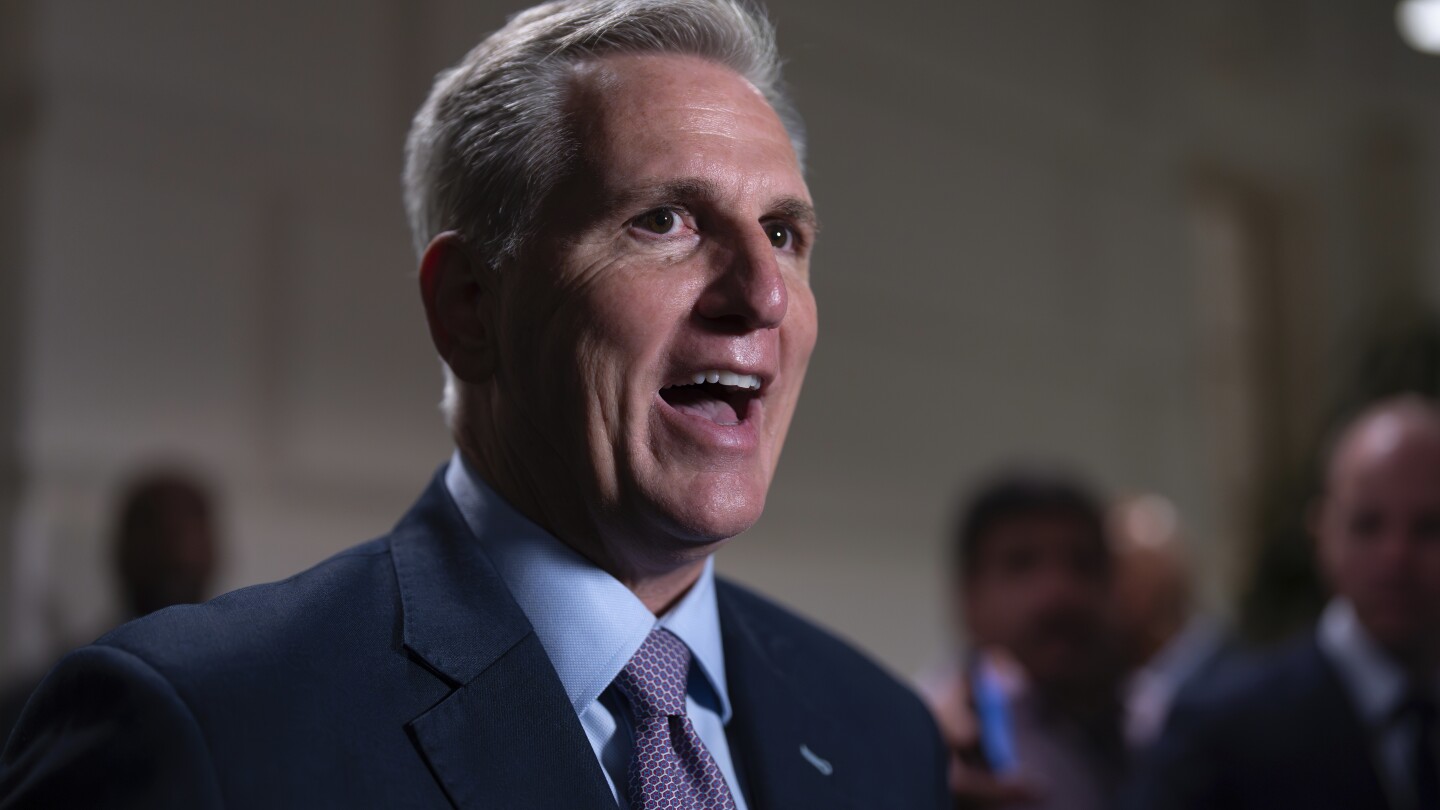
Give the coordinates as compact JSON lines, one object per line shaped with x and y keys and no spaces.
{"x":1387,"y":442}
{"x":665,"y":129}
{"x":621,"y":99}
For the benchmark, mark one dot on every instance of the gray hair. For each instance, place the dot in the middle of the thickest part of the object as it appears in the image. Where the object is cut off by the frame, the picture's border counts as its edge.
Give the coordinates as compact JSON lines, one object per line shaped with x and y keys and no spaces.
{"x":491,"y":141}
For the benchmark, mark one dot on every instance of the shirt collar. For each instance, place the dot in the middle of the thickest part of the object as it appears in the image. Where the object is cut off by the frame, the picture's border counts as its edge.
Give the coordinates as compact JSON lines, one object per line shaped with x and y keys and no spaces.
{"x":1199,"y":639}
{"x":1375,"y":682}
{"x":695,"y":619}
{"x":588,"y":622}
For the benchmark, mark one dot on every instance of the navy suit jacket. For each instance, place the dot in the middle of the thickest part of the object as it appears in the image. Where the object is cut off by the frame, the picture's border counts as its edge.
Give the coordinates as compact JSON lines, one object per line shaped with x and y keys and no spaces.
{"x":1280,"y":734}
{"x":402,"y":673}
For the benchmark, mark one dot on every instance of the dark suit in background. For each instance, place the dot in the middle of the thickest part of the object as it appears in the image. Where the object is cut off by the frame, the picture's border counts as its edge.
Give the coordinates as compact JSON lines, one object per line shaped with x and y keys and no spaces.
{"x":1346,"y":717}
{"x":1279,"y":733}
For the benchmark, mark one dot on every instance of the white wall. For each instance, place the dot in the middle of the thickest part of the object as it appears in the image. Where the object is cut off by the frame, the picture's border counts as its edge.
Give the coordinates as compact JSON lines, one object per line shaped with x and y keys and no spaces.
{"x":221,"y":273}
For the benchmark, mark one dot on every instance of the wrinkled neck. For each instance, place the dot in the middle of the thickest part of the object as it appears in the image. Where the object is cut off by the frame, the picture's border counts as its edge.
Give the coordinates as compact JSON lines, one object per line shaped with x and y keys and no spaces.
{"x":527,"y":472}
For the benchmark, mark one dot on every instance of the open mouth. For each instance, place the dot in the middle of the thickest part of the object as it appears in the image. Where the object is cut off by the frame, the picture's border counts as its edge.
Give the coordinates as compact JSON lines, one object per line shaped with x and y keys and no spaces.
{"x":722,"y":397}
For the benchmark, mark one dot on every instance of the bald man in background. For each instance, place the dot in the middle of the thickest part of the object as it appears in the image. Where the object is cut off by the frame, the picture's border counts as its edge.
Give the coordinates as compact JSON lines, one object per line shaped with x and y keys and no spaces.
{"x":1167,"y":642}
{"x":1346,"y":716}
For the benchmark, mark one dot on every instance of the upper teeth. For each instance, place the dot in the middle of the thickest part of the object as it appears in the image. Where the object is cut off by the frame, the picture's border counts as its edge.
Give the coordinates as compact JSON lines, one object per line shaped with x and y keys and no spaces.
{"x":727,"y":378}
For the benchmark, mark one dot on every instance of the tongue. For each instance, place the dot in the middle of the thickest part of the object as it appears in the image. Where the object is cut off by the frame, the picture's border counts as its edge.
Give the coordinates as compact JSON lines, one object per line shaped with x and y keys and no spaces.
{"x":694,"y":400}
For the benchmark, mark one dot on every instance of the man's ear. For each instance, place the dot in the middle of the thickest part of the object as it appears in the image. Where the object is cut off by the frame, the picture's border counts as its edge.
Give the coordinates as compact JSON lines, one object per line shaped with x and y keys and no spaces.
{"x":456,"y":289}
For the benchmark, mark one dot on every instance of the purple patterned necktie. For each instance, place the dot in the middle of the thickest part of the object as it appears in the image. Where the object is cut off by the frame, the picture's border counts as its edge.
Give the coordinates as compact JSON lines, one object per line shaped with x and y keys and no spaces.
{"x":670,"y":769}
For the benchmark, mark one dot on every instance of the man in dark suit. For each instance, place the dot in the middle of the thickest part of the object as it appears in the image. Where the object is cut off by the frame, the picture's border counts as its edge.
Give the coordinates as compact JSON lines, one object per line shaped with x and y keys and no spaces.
{"x":1344,"y":717}
{"x":1164,"y":640}
{"x":615,"y":236}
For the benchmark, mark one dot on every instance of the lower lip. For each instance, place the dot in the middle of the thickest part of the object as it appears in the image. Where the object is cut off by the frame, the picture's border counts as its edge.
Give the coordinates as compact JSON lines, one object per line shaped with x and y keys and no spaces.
{"x":739,"y":439}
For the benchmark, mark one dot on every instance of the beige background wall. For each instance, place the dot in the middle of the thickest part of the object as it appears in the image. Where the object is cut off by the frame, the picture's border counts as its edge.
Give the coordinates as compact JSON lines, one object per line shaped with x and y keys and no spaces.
{"x":1018,"y":260}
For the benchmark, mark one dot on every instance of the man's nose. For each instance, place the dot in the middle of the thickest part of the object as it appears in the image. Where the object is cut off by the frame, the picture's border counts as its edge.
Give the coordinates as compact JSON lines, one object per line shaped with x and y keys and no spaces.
{"x":748,"y":292}
{"x":1061,"y":586}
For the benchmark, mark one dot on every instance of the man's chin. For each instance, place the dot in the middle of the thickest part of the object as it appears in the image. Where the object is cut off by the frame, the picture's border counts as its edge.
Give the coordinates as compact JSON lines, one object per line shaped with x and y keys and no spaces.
{"x":702,"y":519}
{"x":1403,"y":633}
{"x":667,"y":519}
{"x":710,"y":530}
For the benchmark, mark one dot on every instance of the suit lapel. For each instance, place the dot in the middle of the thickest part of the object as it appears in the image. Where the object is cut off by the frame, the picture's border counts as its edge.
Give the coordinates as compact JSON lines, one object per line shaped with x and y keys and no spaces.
{"x":506,"y":736}
{"x":788,"y":755}
{"x":510,"y":739}
{"x":1342,"y":743}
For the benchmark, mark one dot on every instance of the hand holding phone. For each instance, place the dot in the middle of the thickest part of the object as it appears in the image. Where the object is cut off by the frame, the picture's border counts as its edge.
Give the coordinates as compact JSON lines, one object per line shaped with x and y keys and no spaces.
{"x":983,"y":764}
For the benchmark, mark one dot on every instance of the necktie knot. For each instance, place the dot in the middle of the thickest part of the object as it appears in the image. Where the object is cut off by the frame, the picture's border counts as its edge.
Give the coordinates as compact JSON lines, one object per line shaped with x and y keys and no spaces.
{"x":656,"y":678}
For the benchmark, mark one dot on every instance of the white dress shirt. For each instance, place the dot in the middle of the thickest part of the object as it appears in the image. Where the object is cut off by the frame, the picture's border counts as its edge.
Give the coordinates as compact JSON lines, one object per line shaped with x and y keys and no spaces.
{"x":1150,"y":691}
{"x":590,"y":625}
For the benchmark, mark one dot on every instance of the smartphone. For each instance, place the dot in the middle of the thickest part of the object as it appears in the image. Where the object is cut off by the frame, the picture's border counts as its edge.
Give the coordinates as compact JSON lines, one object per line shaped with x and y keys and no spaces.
{"x":992,"y":713}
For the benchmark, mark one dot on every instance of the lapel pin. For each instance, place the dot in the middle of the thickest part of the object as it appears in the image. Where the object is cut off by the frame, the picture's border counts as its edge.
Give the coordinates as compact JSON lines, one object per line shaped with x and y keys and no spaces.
{"x":821,"y":765}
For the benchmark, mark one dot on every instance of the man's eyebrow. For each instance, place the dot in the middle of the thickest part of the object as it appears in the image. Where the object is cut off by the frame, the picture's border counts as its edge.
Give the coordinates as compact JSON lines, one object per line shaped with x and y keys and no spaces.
{"x":798,"y":211}
{"x":669,"y":191}
{"x":788,"y":207}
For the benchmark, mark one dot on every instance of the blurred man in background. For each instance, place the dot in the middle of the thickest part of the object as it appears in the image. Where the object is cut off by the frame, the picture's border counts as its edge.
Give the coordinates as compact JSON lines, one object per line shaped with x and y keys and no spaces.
{"x":165,"y":551}
{"x":1164,"y":641}
{"x":1346,"y":716}
{"x":165,"y":544}
{"x":1033,"y":713}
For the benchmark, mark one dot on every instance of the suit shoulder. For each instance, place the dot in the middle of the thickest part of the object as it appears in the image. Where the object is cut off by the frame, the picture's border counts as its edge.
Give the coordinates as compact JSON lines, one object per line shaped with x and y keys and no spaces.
{"x":813,"y":654}
{"x":792,"y":630}
{"x":1270,"y":681}
{"x":1264,"y":692}
{"x":310,"y":609}
{"x":873,"y":718}
{"x":105,"y":728}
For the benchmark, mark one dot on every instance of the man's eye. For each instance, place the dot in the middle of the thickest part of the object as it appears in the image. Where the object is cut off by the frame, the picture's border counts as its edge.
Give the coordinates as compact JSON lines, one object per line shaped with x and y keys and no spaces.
{"x":661,"y":221}
{"x":781,"y":236}
{"x":1364,"y":524}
